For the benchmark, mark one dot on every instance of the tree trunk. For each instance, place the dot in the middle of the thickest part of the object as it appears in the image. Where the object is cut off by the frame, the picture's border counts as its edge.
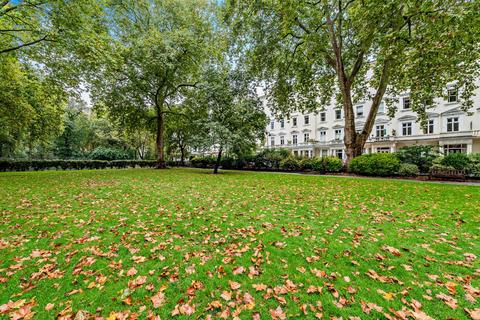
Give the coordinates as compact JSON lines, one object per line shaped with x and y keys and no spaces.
{"x":217,"y":163}
{"x":160,"y":141}
{"x":182,"y":156}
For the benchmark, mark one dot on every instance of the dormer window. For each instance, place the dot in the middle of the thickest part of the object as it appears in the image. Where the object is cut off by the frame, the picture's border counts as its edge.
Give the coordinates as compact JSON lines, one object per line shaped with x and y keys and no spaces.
{"x":452,"y":95}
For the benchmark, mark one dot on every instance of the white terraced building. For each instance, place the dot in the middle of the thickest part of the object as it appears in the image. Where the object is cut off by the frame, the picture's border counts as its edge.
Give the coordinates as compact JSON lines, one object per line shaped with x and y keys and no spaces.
{"x":321,"y":133}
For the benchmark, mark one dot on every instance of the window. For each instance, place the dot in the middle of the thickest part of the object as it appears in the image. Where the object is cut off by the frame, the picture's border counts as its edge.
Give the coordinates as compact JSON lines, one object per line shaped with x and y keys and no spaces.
{"x":306,"y":120}
{"x":282,"y":123}
{"x":453,"y":124}
{"x":338,"y":114}
{"x":323,"y":116}
{"x":452,"y":95}
{"x":381,"y":107}
{"x":282,"y":140}
{"x":272,"y":124}
{"x":294,"y":139}
{"x":454,"y":148}
{"x":383,"y":150}
{"x":406,"y":103}
{"x":272,"y":141}
{"x":338,"y":134}
{"x":429,"y":128}
{"x":338,"y":153}
{"x":323,"y":135}
{"x":407,"y":128}
{"x":294,"y":122}
{"x":380,"y":131}
{"x":359,"y":111}
{"x":324,"y":153}
{"x":306,"y":137}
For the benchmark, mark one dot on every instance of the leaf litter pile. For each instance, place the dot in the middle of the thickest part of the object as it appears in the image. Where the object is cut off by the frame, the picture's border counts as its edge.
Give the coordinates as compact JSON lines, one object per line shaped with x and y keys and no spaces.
{"x":183,"y":243}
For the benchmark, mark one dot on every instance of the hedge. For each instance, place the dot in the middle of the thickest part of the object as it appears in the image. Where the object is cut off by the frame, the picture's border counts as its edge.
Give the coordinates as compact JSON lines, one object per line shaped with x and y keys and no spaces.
{"x":26,"y":165}
{"x":376,"y":164}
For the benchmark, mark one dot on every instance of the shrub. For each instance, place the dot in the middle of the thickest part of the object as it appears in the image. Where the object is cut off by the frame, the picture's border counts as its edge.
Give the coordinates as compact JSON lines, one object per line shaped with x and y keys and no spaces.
{"x":408,"y":170}
{"x":102,"y":153}
{"x":332,"y":164}
{"x":270,"y":158}
{"x":307,"y":163}
{"x":475,"y":164}
{"x":36,"y":165}
{"x":290,"y":163}
{"x":203,"y":161}
{"x":422,"y":156}
{"x":377,"y":164}
{"x":459,"y":161}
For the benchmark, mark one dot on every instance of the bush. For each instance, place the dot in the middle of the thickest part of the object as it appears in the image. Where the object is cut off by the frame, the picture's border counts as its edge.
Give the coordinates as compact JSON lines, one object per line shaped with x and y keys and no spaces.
{"x":203,"y":161}
{"x":459,"y":161}
{"x":475,"y":164}
{"x":102,"y":153}
{"x":408,"y":170}
{"x":421,"y":156}
{"x":376,"y":164}
{"x":270,"y":158}
{"x":290,"y":163}
{"x":307,"y":163}
{"x":331,"y":164}
{"x":36,"y":165}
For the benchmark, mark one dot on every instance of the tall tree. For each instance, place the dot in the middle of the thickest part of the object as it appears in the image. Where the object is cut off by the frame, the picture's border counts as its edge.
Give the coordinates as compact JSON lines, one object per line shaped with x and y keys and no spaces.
{"x":234,"y":120}
{"x":312,"y":52}
{"x":159,"y":47}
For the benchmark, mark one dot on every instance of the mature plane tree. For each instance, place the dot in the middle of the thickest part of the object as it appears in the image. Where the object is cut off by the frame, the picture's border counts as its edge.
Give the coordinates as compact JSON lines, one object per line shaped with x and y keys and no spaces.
{"x":313,"y":53}
{"x":157,"y":53}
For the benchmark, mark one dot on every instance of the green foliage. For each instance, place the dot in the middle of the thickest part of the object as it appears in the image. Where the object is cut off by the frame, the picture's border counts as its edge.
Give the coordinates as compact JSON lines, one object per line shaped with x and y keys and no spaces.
{"x":290,"y":163}
{"x":421,"y":156}
{"x":36,"y":165}
{"x":203,"y":161}
{"x":408,"y":170}
{"x":307,"y":163}
{"x":270,"y":158}
{"x":459,"y":161}
{"x":102,"y":153}
{"x":376,"y":164}
{"x":331,"y":164}
{"x":475,"y":164}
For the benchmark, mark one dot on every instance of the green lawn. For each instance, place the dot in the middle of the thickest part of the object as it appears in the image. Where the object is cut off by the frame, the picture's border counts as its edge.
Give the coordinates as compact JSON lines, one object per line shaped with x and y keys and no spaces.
{"x":261,"y":245}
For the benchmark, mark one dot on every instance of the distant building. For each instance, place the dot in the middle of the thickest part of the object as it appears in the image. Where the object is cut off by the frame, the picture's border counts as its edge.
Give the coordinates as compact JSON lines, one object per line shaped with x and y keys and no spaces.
{"x":321,"y":133}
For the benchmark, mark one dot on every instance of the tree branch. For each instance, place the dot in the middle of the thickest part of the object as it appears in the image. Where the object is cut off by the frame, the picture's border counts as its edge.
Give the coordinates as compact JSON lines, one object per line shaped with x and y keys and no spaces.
{"x":44,"y":38}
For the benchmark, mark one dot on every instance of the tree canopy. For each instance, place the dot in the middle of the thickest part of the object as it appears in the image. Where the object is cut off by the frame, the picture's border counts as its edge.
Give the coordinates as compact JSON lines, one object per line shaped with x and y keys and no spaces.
{"x":311,"y":54}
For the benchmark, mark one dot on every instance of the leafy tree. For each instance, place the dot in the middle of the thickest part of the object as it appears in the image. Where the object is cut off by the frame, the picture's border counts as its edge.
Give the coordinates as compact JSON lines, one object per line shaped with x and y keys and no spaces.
{"x":181,"y":133}
{"x":31,"y":107}
{"x":312,"y":52}
{"x":157,"y":52}
{"x":235,"y":120}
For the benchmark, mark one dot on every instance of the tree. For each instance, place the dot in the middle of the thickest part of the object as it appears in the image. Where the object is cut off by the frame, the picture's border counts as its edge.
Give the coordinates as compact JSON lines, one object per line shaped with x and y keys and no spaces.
{"x":234,"y":118}
{"x":180,"y":133}
{"x":158,"y":50}
{"x":312,"y":52}
{"x":31,"y":107}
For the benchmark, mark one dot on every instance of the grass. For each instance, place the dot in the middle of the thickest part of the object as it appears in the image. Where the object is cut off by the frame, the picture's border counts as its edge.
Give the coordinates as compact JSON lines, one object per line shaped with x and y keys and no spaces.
{"x":84,"y":242}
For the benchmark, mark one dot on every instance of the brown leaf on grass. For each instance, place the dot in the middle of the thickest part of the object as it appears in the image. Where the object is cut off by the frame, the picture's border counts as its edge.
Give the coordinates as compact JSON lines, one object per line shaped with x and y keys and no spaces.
{"x":131,"y":272}
{"x":473,"y":313}
{"x":234,"y":285}
{"x":449,"y":301}
{"x":49,"y":306}
{"x":278,"y":313}
{"x":238,"y":270}
{"x":392,"y":250}
{"x":158,"y":299}
{"x":259,"y":287}
{"x":184,"y":309}
{"x":226,"y":295}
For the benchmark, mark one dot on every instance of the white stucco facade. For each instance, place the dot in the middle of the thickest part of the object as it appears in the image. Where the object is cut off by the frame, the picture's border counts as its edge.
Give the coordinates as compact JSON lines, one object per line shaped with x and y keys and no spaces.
{"x":321,"y":133}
